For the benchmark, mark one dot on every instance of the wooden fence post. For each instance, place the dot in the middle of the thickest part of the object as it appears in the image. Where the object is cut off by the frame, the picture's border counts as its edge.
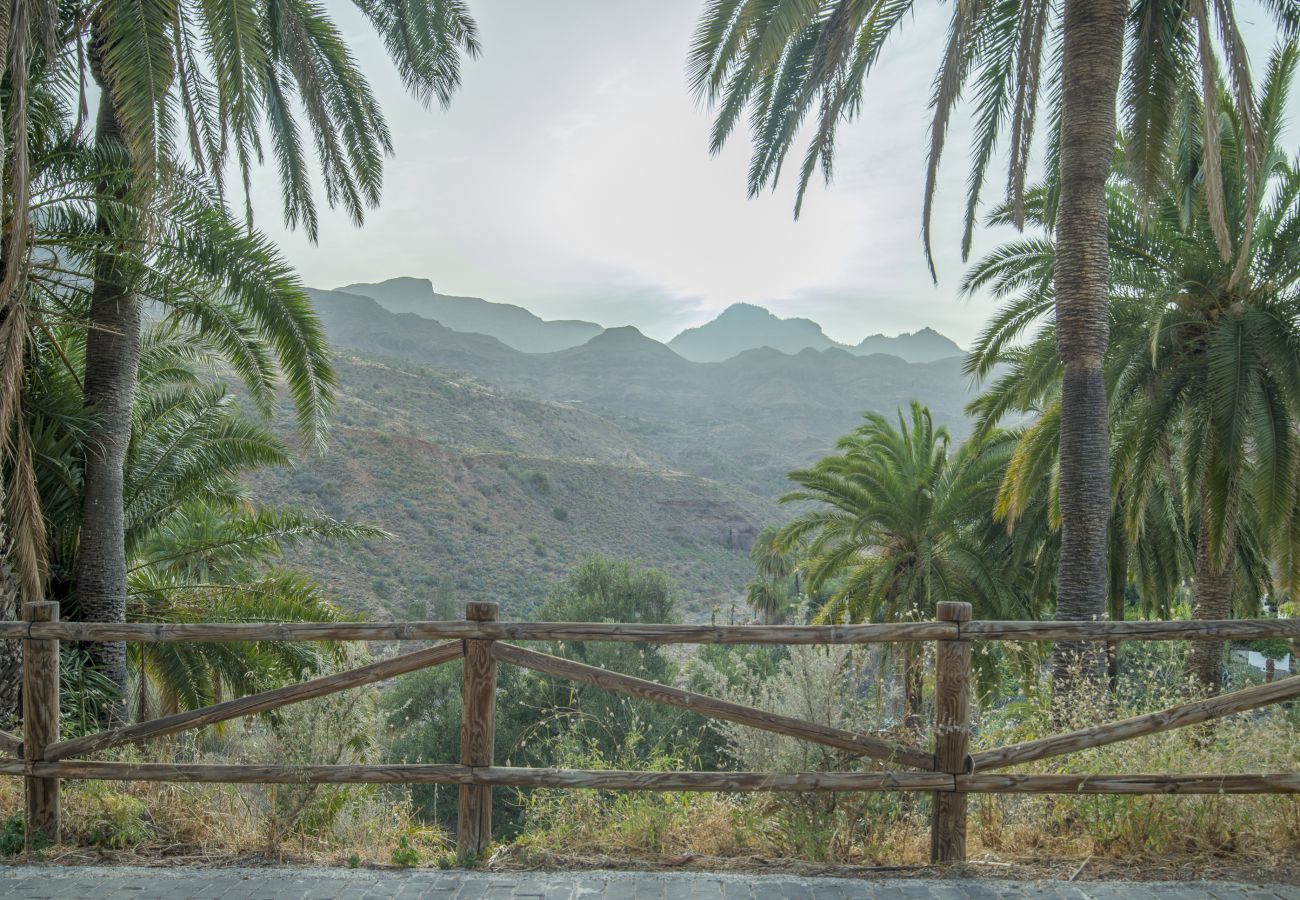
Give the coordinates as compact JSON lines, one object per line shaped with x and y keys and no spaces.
{"x":477,"y":731}
{"x":951,"y":736}
{"x":41,"y":722}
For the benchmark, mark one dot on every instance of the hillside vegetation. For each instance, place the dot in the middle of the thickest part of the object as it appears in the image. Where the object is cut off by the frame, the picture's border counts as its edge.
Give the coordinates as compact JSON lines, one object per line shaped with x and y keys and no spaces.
{"x":496,"y":470}
{"x":746,"y":421}
{"x":494,"y":496}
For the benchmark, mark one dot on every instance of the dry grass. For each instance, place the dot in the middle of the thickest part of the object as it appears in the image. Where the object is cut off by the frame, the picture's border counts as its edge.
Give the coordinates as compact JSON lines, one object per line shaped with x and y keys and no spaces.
{"x":1256,"y":838}
{"x":199,"y":824}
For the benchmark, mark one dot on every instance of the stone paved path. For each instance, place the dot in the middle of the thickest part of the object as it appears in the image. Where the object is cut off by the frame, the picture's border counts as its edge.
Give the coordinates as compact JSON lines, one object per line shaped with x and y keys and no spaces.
{"x":112,"y":883}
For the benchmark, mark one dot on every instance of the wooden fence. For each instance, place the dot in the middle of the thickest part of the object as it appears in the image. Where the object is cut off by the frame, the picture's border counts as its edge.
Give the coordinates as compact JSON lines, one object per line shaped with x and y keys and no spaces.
{"x":946,"y":769}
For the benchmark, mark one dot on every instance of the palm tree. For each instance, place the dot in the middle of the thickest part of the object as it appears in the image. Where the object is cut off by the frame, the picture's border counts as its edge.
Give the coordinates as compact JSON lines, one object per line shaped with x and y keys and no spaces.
{"x":769,"y":600}
{"x":899,"y":522}
{"x":784,"y":61}
{"x":777,"y":587}
{"x":207,"y":269}
{"x":226,"y":71}
{"x":197,"y":548}
{"x":1204,"y":373}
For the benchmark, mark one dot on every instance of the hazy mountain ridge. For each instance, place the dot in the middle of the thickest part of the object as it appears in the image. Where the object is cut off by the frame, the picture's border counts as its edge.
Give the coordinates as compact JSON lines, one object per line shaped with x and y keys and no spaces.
{"x":747,"y":420}
{"x":738,"y":328}
{"x":742,"y":327}
{"x":513,"y":325}
{"x":926,"y":345}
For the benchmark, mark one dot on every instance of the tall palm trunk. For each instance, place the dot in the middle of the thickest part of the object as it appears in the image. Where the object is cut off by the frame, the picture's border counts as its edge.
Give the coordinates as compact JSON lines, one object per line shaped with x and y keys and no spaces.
{"x":1212,"y":599}
{"x":1092,"y":60}
{"x":112,"y":357}
{"x":11,"y":652}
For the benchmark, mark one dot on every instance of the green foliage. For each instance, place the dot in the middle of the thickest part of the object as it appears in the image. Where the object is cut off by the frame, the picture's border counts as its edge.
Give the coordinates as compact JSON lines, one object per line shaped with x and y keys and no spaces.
{"x":119,"y":821}
{"x":1203,"y":370}
{"x":896,"y":523}
{"x":533,"y":711}
{"x":197,"y":548}
{"x":800,"y":70}
{"x":404,"y":854}
{"x":13,"y":834}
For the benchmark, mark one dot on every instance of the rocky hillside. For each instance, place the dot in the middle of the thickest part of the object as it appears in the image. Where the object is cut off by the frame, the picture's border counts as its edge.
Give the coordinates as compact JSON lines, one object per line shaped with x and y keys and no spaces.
{"x":495,"y":496}
{"x":496,"y":470}
{"x":745,"y":421}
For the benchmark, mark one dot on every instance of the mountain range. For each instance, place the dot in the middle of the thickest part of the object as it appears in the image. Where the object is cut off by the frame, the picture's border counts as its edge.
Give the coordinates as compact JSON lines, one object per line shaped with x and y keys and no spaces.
{"x":497,"y":469}
{"x":514,"y":326}
{"x":740,"y":327}
{"x":743,"y":326}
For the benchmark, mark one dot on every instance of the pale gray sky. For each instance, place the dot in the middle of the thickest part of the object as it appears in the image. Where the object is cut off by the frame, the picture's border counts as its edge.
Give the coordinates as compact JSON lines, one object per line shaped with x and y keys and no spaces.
{"x":571,"y":175}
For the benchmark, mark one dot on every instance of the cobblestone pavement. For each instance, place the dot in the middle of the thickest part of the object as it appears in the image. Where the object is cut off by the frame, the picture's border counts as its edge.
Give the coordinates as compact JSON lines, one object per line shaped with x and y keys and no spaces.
{"x":111,"y":883}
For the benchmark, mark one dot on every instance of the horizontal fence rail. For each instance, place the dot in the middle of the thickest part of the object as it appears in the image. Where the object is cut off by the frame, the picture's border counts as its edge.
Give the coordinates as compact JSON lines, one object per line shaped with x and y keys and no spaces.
{"x":624,"y":780}
{"x":946,"y":770}
{"x":611,"y":632}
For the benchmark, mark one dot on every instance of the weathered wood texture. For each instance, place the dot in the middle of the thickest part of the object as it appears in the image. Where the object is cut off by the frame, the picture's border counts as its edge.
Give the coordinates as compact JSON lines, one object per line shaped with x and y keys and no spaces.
{"x":611,"y":632}
{"x":258,"y":703}
{"x":951,"y":736}
{"x":477,"y":733}
{"x":1285,"y":783}
{"x":859,"y":744}
{"x":1206,"y":630}
{"x":241,"y":774}
{"x":614,"y":780}
{"x":11,"y":744}
{"x":1210,"y":630}
{"x":487,"y":776}
{"x":41,"y":722}
{"x":602,"y":779}
{"x":1138,"y":726}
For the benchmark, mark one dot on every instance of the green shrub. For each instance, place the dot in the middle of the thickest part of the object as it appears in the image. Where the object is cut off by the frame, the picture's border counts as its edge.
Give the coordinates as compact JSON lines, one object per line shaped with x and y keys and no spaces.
{"x":117,"y":821}
{"x":12,"y":834}
{"x":404,"y":854}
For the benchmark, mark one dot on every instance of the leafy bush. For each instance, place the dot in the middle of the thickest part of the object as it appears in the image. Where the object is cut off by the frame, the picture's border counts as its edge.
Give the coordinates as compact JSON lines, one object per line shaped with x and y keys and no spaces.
{"x":118,"y":821}
{"x":404,"y":854}
{"x":13,"y":834}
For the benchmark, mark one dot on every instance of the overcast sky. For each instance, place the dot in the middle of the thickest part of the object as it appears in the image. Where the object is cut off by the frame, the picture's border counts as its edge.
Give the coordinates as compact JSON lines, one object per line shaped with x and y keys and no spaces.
{"x":571,"y":175}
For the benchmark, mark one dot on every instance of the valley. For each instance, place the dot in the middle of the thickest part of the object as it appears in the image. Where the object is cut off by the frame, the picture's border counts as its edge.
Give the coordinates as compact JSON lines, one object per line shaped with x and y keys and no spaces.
{"x":496,"y":470}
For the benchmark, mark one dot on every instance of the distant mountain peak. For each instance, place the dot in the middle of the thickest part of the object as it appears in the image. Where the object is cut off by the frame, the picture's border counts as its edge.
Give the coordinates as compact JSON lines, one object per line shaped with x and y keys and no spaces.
{"x":513,"y":325}
{"x":923,"y":345}
{"x":744,"y":326}
{"x":619,"y":335}
{"x":624,"y":345}
{"x":741,"y":310}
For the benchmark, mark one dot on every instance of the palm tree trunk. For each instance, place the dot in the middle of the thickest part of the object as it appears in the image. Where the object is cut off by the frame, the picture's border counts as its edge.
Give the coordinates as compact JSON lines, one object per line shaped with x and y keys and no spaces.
{"x":1092,"y":59}
{"x":11,"y":652}
{"x":112,"y":357}
{"x":1211,"y":599}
